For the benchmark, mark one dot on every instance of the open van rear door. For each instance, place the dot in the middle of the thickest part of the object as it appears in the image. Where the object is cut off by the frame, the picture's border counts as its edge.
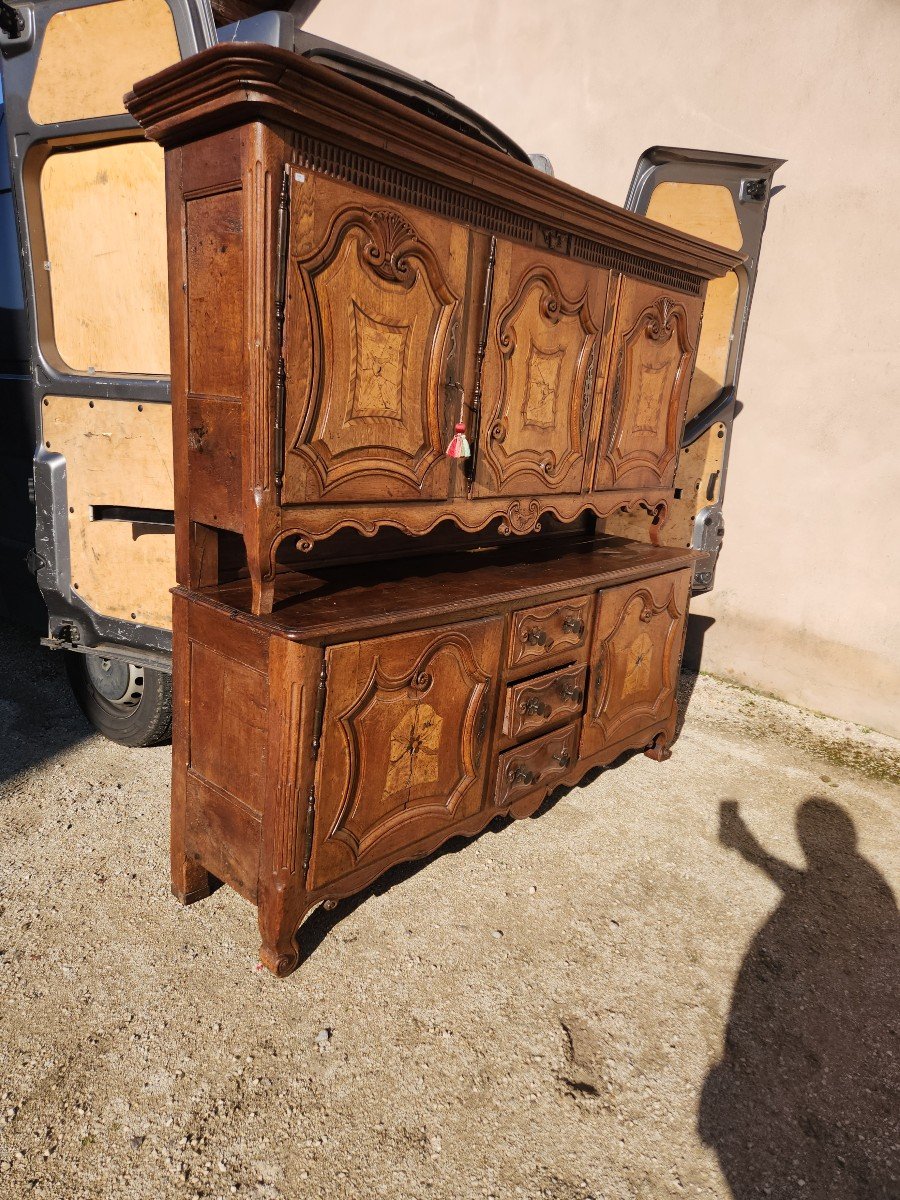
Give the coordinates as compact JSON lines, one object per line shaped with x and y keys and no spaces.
{"x":89,"y":202}
{"x":723,"y":198}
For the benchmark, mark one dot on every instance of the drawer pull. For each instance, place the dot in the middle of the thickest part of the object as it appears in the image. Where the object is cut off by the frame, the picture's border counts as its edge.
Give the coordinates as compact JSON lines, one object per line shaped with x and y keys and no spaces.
{"x":536,"y":637}
{"x":519,"y":774}
{"x":533,"y":707}
{"x":563,"y":758}
{"x":571,"y":691}
{"x":573,"y":625}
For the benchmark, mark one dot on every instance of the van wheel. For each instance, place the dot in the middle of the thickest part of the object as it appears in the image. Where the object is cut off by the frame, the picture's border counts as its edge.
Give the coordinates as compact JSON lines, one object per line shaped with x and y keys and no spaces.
{"x":130,"y":705}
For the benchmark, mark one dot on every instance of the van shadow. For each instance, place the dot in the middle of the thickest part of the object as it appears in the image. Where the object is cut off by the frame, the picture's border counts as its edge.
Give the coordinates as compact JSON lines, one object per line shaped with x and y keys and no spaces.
{"x":38,"y":713}
{"x":806,"y":1098}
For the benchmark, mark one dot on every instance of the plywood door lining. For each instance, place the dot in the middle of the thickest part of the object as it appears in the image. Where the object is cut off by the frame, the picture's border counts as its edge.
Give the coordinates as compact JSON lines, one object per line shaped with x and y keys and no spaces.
{"x":715,"y":343}
{"x":706,"y":210}
{"x":90,"y":57}
{"x":703,"y":209}
{"x":119,"y":453}
{"x":105,"y":226}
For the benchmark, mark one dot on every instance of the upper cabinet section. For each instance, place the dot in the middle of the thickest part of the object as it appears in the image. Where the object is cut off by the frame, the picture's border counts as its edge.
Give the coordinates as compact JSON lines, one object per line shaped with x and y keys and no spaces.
{"x":415,"y":328}
{"x":372,"y":345}
{"x":540,"y":372}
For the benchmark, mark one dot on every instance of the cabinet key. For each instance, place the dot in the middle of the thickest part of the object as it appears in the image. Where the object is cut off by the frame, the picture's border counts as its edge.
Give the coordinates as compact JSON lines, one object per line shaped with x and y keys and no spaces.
{"x":573,"y":625}
{"x":563,"y":758}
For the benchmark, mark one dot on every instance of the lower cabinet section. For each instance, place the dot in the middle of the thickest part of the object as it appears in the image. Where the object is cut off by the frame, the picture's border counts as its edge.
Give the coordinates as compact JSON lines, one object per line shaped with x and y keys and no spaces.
{"x":303,"y":769}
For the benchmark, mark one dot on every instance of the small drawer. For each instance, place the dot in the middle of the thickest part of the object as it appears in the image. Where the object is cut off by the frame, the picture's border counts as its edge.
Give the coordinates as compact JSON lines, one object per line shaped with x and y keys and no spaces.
{"x":535,"y":765}
{"x":550,"y":631}
{"x":538,"y":704}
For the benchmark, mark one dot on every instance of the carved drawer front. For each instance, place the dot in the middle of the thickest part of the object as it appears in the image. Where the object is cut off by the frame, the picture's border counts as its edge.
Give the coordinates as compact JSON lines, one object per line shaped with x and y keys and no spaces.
{"x":635,"y":658}
{"x":540,"y":372}
{"x":374,"y":329}
{"x":654,"y":341}
{"x":538,"y":704}
{"x":549,"y":632}
{"x":404,"y":743}
{"x":536,"y":764}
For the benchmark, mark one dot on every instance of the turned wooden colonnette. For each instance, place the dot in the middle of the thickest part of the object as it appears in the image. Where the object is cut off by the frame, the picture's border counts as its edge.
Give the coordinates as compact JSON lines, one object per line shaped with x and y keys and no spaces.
{"x":379,"y":645}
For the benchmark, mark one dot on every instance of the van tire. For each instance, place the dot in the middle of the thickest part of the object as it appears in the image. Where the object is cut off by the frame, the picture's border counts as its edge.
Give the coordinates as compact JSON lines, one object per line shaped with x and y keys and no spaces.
{"x":128,"y":704}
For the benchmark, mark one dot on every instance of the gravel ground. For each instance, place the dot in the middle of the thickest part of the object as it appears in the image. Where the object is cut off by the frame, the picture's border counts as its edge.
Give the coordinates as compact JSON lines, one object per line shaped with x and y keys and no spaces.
{"x":539,"y":1013}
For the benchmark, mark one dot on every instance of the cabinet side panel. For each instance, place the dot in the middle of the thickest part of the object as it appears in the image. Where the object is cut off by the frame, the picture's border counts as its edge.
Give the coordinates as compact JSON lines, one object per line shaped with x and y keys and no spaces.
{"x":215,"y":296}
{"x":223,"y":836}
{"x":215,"y":356}
{"x":229,"y":719}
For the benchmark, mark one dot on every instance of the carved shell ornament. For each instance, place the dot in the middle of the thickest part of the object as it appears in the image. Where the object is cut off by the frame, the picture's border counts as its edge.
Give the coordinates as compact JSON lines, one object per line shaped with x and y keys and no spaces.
{"x":660,"y":326}
{"x":391,"y":239}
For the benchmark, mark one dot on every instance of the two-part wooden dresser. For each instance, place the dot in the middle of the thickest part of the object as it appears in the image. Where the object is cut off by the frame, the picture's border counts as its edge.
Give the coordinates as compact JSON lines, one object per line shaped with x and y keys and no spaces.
{"x":410,"y":378}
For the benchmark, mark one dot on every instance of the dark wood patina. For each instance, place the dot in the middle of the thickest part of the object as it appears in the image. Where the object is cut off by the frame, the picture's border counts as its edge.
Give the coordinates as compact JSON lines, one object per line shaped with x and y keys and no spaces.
{"x":379,"y":646}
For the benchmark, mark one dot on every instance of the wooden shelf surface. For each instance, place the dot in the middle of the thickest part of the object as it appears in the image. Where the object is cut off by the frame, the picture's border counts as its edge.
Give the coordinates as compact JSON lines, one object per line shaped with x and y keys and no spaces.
{"x":344,"y":603}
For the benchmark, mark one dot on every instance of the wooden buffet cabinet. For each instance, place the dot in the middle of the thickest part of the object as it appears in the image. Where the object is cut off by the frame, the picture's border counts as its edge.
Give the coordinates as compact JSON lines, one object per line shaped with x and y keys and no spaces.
{"x":377,"y":645}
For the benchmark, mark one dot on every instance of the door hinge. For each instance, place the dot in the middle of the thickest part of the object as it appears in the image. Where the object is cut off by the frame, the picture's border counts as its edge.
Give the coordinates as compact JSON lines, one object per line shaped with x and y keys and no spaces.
{"x":318,"y":719}
{"x":479,"y":360}
{"x":282,"y":230}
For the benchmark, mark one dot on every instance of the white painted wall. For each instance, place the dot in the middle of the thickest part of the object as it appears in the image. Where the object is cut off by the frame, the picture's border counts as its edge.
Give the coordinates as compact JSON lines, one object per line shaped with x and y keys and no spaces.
{"x":807,"y":602}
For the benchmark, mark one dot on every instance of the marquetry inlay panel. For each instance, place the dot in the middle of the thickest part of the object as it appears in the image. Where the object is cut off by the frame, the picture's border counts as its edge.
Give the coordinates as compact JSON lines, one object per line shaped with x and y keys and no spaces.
{"x":540,"y":372}
{"x":653,"y":353}
{"x":635,"y":654}
{"x":403,"y":742}
{"x":372,"y":295}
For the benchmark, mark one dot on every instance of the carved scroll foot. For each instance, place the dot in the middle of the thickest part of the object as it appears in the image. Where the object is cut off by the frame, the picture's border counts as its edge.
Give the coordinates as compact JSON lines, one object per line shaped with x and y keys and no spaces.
{"x":281,"y":959}
{"x":280,"y":952}
{"x":658,"y":749}
{"x":279,"y":933}
{"x":190,"y":881}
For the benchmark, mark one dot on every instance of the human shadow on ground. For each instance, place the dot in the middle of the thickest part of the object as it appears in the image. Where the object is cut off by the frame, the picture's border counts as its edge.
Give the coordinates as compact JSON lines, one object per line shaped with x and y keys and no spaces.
{"x":806,"y":1098}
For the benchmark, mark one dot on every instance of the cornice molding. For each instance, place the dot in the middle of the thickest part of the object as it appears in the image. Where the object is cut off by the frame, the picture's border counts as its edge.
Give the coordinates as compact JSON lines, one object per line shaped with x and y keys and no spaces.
{"x":230,"y":84}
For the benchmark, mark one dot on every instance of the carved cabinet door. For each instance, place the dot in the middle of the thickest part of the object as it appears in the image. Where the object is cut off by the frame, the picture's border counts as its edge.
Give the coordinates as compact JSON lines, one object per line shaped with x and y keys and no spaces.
{"x":404,"y":748}
{"x":540,"y":372}
{"x":372,"y":343}
{"x":635,"y":658}
{"x":653,"y":349}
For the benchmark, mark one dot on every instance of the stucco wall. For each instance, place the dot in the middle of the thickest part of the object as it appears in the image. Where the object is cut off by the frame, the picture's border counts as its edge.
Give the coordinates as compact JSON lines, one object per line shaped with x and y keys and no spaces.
{"x":807,"y":601}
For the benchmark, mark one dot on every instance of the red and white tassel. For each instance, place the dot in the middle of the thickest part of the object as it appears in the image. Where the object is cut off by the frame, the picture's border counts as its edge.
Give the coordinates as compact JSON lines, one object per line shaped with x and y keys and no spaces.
{"x":459,"y":443}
